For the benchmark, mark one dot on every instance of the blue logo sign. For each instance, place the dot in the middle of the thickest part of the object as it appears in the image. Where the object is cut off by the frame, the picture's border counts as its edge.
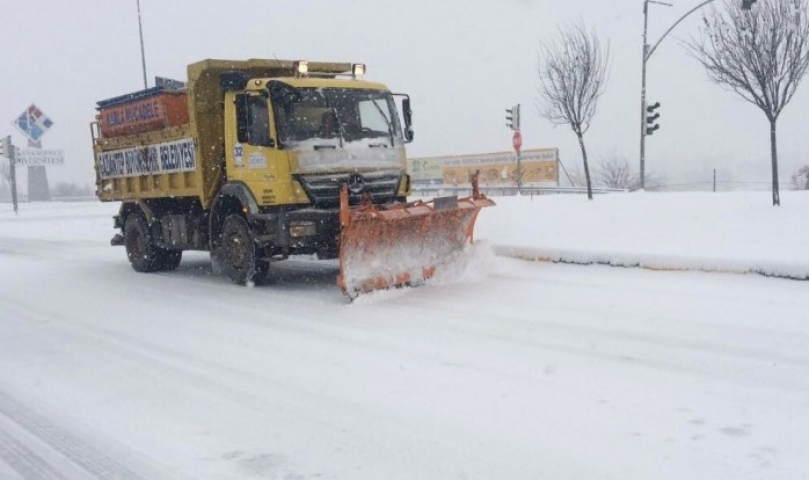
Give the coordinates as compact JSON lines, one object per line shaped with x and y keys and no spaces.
{"x":33,"y":123}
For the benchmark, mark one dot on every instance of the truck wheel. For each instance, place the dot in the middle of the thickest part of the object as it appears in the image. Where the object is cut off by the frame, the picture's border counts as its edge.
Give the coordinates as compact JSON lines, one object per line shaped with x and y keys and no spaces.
{"x":140,"y":249}
{"x":240,"y":255}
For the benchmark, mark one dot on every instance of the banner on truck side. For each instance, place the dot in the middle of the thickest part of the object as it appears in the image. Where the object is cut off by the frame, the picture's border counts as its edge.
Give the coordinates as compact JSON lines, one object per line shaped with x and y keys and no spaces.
{"x":168,"y":157}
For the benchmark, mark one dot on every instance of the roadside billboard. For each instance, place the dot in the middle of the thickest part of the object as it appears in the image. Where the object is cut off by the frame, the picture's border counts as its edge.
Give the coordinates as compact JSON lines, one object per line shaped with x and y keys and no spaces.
{"x":425,"y":169}
{"x":540,"y":167}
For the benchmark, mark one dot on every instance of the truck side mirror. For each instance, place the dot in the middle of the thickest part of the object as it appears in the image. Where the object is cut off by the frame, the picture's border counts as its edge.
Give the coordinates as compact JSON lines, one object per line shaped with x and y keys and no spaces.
{"x":408,"y":119}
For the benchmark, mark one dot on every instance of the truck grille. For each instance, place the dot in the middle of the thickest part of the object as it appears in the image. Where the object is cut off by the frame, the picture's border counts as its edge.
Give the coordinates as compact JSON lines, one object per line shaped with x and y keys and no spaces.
{"x":324,"y":190}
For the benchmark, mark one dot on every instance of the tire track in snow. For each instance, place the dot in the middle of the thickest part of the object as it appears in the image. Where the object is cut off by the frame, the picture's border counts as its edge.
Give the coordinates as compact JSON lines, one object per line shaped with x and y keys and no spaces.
{"x":204,"y":380}
{"x":72,"y":448}
{"x":24,"y":461}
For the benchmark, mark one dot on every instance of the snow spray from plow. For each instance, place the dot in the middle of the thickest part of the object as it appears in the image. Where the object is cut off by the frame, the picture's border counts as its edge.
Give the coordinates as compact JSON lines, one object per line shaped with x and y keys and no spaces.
{"x":398,"y":245}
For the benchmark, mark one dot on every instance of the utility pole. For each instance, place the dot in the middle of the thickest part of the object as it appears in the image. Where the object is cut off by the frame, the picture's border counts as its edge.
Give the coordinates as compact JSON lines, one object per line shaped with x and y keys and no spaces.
{"x":142,"y":51}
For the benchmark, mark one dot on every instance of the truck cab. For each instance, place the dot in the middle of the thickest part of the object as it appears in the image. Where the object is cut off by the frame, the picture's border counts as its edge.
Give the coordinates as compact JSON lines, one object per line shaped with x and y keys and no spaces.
{"x":292,"y":142}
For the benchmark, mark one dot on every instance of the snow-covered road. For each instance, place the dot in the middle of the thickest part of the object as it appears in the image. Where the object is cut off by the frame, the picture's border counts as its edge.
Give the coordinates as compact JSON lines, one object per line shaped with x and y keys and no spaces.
{"x":507,"y":369}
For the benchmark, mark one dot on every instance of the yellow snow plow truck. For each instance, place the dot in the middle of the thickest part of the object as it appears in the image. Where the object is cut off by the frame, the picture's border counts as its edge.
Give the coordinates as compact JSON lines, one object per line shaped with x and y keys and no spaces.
{"x":257,"y":160}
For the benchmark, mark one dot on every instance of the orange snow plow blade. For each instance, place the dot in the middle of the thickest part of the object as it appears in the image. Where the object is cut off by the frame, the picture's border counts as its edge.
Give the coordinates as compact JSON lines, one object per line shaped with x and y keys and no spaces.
{"x":395,"y":245}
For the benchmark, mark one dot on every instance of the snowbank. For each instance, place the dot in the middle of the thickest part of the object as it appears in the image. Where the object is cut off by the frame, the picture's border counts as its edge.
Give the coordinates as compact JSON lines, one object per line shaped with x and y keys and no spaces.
{"x":738,"y":232}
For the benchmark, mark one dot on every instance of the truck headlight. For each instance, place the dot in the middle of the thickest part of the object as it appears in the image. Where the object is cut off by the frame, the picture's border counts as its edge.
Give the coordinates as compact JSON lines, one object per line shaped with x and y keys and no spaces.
{"x":302,"y":67}
{"x":358,"y":70}
{"x":302,"y":229}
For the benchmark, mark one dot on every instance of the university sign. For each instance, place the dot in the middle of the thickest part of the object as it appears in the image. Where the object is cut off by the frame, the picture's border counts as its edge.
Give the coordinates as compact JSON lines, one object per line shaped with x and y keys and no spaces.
{"x":33,"y":157}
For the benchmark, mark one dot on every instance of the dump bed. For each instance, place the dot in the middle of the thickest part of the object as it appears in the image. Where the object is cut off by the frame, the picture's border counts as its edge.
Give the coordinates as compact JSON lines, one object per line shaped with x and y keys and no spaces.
{"x":180,"y":158}
{"x":148,"y":110}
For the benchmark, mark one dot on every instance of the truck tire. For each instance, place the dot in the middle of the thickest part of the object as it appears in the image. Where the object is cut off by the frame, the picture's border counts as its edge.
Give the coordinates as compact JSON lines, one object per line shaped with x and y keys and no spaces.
{"x":141,"y":250}
{"x":240,"y":255}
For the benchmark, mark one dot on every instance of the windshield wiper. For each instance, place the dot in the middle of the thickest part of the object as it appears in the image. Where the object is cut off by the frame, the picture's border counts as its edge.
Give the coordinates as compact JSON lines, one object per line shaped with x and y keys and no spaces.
{"x":336,"y":118}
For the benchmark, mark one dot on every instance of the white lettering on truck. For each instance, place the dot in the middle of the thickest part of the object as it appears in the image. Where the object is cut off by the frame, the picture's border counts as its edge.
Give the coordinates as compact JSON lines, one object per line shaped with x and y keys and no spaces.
{"x":167,"y":157}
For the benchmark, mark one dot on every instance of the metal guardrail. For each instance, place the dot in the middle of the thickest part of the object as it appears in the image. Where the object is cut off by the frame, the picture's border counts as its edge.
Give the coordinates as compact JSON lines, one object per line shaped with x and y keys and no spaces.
{"x":440,"y":190}
{"x":24,"y":199}
{"x":82,"y":198}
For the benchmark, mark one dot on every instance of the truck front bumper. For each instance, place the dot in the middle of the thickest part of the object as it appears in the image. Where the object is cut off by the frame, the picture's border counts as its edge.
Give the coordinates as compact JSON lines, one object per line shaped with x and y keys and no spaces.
{"x":302,"y":231}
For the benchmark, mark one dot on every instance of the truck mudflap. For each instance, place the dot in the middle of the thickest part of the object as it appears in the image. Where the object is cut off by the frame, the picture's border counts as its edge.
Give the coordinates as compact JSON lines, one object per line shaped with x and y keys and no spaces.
{"x":384,"y":246}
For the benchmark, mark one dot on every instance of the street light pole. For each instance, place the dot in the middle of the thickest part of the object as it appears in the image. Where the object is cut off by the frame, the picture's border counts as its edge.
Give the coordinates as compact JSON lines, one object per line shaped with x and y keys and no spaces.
{"x":142,"y":52}
{"x":646,"y":54}
{"x":643,"y":95}
{"x":706,"y":2}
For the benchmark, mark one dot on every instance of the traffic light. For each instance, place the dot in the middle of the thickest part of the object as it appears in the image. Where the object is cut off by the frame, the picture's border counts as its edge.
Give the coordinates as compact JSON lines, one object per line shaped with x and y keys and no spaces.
{"x":513,"y":117}
{"x":5,"y":147}
{"x":651,"y":118}
{"x":747,"y":4}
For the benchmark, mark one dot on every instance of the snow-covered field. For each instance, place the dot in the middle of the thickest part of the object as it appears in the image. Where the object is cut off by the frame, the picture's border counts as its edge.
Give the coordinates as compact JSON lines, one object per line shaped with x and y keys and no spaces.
{"x":501,"y":368}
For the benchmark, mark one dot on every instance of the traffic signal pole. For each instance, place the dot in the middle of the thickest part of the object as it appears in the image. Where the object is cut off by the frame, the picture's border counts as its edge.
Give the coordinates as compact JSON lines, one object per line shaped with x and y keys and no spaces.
{"x":8,"y":149}
{"x":643,"y":95}
{"x":513,"y":122}
{"x":12,"y":159}
{"x":647,"y":54}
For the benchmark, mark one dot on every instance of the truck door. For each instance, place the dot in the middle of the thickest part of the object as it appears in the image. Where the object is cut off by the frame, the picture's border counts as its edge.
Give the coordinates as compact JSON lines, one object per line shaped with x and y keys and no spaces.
{"x":254,"y":158}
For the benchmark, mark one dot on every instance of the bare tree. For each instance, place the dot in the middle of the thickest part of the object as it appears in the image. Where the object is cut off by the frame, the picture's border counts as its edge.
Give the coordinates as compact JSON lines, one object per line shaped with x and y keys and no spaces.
{"x":800,"y":179}
{"x":761,"y":54}
{"x":616,"y":172}
{"x":576,"y":177}
{"x":572,"y":72}
{"x":70,"y":189}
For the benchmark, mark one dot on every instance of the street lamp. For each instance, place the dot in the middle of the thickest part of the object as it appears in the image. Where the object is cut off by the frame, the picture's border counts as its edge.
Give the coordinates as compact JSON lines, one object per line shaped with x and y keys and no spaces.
{"x":647,"y":53}
{"x":142,"y":54}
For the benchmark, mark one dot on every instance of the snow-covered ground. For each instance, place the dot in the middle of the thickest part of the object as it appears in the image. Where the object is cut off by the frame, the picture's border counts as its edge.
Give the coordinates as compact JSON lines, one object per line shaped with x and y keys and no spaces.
{"x":500,"y":368}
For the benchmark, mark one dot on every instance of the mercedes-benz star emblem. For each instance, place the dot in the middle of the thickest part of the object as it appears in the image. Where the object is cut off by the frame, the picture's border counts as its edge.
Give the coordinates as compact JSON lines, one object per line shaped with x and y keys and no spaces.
{"x":356,"y":183}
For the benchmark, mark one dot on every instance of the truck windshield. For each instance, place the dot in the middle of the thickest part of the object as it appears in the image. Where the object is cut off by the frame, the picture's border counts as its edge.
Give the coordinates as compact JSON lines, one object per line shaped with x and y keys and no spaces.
{"x":335,"y":116}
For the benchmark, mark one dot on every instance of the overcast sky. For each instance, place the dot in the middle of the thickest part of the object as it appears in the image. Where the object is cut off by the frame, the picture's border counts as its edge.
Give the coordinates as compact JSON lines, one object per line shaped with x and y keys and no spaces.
{"x":462,"y":61}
